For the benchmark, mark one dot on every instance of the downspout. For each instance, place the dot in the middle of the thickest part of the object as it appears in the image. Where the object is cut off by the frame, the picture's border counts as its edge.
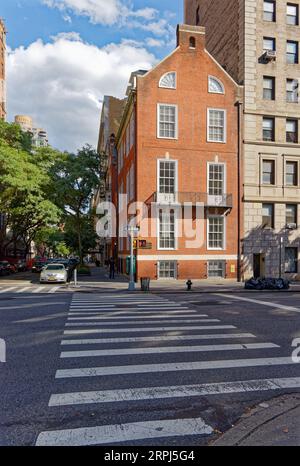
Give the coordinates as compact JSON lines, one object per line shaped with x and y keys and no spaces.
{"x":239,"y":183}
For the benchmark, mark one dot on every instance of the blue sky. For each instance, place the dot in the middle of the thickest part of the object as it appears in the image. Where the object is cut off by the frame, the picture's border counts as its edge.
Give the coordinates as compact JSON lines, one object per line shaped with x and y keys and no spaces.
{"x":28,"y":20}
{"x":64,"y":55}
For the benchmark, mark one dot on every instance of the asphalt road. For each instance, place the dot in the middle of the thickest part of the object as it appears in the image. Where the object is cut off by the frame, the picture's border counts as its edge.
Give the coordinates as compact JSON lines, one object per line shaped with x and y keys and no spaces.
{"x":162,"y":370}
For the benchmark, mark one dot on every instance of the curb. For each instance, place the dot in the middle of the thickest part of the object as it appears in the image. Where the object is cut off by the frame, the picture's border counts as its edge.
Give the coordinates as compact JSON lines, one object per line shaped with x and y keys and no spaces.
{"x":257,"y":420}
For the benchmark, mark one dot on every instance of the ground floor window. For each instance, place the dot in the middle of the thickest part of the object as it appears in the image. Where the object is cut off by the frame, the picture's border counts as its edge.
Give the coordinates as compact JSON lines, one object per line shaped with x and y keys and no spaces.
{"x":167,"y":269}
{"x":291,"y":260}
{"x":216,"y":269}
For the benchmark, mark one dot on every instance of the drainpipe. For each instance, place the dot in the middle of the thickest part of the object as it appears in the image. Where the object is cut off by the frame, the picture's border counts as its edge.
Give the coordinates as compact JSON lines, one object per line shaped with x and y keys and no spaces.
{"x":239,"y":177}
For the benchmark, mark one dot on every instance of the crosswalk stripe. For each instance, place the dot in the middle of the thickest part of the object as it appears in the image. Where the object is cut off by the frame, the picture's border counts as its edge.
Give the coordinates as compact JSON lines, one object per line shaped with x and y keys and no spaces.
{"x":39,"y":290}
{"x":106,"y":435}
{"x":133,"y":314}
{"x":96,"y":308}
{"x":166,"y":350}
{"x":173,"y":367}
{"x":161,"y":321}
{"x":23,"y":290}
{"x":149,"y":329}
{"x":6,"y":290}
{"x":218,"y":336}
{"x":100,"y":306}
{"x":118,"y":318}
{"x":180,"y":391}
{"x":54,"y":290}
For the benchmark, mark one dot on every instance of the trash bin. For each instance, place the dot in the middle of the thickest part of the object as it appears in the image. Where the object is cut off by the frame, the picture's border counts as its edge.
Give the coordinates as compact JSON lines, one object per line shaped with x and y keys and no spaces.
{"x":145,"y":284}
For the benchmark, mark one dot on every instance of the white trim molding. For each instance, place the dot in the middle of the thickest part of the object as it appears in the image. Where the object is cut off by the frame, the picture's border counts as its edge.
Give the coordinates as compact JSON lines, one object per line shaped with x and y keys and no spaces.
{"x":184,"y":257}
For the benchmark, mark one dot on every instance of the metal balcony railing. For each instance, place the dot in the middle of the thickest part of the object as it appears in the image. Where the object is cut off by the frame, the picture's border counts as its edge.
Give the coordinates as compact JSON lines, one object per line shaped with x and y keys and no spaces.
{"x":208,"y":200}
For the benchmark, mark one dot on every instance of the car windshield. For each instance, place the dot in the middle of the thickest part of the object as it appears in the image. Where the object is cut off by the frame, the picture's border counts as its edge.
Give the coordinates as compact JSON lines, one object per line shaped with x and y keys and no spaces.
{"x":55,"y":267}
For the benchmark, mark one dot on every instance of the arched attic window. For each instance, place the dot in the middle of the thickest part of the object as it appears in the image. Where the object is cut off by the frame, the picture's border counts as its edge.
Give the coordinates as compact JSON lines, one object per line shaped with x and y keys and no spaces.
{"x":215,"y":86}
{"x":192,"y":42}
{"x":168,"y":80}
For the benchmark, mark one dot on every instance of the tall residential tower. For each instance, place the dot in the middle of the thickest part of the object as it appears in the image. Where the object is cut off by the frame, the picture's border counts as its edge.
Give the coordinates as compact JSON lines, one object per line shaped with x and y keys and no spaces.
{"x":257,"y":42}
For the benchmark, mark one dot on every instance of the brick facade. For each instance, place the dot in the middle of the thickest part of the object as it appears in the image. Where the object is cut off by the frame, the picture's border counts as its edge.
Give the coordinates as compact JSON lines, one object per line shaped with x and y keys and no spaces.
{"x":140,"y":148}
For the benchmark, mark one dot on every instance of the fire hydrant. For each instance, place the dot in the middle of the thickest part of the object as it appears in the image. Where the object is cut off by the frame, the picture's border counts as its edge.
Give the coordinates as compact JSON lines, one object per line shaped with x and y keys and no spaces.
{"x":189,"y":285}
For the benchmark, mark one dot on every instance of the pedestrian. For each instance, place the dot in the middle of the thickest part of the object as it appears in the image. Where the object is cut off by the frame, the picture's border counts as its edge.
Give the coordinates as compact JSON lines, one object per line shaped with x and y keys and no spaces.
{"x":111,"y":268}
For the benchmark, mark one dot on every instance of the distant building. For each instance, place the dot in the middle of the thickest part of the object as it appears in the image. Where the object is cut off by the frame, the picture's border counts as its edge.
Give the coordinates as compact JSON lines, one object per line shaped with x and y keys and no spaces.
{"x":39,"y":135}
{"x":2,"y":70}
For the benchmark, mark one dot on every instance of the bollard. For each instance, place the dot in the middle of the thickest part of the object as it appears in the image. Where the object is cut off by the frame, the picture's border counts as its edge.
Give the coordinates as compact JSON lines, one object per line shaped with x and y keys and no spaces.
{"x":189,"y":285}
{"x":75,"y":278}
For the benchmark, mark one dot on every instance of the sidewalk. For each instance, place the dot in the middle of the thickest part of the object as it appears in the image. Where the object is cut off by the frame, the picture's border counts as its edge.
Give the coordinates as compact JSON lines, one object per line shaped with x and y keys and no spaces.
{"x":100,"y":280}
{"x":274,"y":423}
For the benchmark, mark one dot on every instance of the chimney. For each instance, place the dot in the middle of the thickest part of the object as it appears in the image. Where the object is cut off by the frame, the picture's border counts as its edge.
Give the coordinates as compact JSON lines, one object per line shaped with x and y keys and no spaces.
{"x":190,"y":37}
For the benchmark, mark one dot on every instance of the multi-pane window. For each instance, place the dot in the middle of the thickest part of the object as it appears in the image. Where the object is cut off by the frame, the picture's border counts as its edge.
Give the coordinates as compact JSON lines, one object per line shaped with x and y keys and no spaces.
{"x":216,"y":125}
{"x":292,"y":14}
{"x":269,"y":44}
{"x":268,"y":215}
{"x":292,"y":90}
{"x":167,"y":121}
{"x":216,"y":179}
{"x":268,"y":129}
{"x":292,"y":131}
{"x":268,"y":172}
{"x":291,"y":174}
{"x":291,"y":214}
{"x":216,"y":232}
{"x":215,"y":86}
{"x":166,"y":229}
{"x":292,"y":52}
{"x":291,"y":260}
{"x":167,"y":269}
{"x":216,"y":269}
{"x":269,"y":10}
{"x":269,"y":88}
{"x":167,"y":177}
{"x":132,"y":131}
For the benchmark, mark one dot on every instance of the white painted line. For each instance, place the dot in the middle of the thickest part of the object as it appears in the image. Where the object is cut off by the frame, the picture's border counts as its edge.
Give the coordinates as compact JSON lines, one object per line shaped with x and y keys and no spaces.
{"x":135,"y":315}
{"x":166,"y":350}
{"x":107,"y":435}
{"x":39,"y":289}
{"x":103,"y":308}
{"x":149,"y":329}
{"x":180,"y":391}
{"x":218,"y":336}
{"x":161,"y":321}
{"x":118,"y":318}
{"x":98,"y":306}
{"x":263,"y":303}
{"x":23,"y":290}
{"x":6,"y":290}
{"x":55,"y":289}
{"x":173,"y":367}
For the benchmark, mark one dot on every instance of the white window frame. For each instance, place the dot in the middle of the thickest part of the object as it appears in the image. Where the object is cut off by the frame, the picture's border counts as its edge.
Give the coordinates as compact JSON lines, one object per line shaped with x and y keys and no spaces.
{"x":224,"y":174}
{"x":210,"y":77}
{"x":207,"y":233}
{"x":225,"y":125}
{"x":159,"y":248}
{"x":167,"y":278}
{"x":176,"y":121}
{"x":224,"y":268}
{"x":158,"y":176}
{"x":162,"y":78}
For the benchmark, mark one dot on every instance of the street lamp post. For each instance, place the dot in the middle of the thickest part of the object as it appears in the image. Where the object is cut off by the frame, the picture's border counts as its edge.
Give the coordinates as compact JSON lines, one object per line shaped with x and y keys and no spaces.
{"x":131,"y":232}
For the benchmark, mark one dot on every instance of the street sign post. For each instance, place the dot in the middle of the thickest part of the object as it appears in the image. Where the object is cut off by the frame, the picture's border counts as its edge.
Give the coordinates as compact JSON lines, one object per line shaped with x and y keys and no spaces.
{"x":132,"y":231}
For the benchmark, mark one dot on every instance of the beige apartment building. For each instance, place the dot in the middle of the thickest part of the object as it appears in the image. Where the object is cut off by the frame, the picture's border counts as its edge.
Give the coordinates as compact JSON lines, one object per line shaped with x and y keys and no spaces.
{"x":2,"y":70}
{"x":257,"y":42}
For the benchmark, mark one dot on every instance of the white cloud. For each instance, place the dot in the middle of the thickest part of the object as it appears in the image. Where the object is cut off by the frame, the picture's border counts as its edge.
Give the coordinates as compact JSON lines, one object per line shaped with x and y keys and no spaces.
{"x":61,"y":84}
{"x":106,"y":12}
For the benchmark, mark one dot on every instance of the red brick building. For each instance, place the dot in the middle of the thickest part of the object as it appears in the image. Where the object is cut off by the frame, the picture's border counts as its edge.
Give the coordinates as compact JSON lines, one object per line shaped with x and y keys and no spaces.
{"x":178,"y":143}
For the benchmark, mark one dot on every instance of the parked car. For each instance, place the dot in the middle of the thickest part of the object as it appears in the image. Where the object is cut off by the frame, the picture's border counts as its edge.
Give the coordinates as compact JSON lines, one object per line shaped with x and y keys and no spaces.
{"x":21,"y":266}
{"x":13,"y":268}
{"x":38,"y":266}
{"x":6,"y":268}
{"x":54,"y":273}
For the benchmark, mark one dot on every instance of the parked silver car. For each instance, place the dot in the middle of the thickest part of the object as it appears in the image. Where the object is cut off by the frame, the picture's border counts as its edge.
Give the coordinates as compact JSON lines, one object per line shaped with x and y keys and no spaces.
{"x":54,"y":273}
